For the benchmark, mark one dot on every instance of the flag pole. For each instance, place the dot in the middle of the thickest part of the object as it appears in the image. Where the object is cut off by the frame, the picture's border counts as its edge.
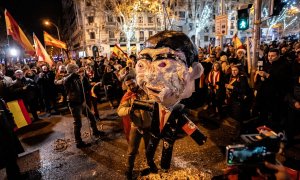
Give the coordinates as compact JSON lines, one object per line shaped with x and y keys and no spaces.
{"x":248,"y":55}
{"x":7,"y":46}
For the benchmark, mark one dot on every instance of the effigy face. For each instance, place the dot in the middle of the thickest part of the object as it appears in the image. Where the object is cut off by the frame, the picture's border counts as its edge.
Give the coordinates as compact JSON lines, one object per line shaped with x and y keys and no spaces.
{"x":164,"y":75}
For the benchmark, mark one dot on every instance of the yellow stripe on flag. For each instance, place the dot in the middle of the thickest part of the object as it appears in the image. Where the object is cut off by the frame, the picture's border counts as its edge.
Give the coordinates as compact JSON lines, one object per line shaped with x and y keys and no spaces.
{"x":51,"y":41}
{"x":16,"y":110}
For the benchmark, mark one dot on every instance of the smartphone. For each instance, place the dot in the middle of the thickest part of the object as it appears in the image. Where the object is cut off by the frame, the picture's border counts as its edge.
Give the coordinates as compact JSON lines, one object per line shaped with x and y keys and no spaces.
{"x":260,"y":65}
{"x":243,"y":155}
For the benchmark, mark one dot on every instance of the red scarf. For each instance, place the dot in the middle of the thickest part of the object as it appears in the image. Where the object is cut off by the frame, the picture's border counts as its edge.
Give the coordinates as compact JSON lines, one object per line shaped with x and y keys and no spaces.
{"x":217,"y":79}
{"x":126,"y":119}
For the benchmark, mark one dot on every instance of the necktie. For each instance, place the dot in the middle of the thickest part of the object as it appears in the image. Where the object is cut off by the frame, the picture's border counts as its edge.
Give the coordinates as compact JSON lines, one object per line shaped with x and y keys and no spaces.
{"x":162,"y":120}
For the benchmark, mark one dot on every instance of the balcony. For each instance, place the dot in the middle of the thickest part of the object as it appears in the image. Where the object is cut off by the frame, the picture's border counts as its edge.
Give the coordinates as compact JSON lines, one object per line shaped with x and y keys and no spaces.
{"x":111,"y":23}
{"x":113,"y":40}
{"x":91,"y":41}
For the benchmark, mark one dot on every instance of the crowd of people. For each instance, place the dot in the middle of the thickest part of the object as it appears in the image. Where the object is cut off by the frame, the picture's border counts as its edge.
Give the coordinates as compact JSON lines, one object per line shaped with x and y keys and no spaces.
{"x":223,"y":88}
{"x":274,"y":96}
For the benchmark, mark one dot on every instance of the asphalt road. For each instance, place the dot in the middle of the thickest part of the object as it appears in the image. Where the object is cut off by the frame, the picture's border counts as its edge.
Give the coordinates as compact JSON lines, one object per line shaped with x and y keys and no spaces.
{"x":51,"y":152}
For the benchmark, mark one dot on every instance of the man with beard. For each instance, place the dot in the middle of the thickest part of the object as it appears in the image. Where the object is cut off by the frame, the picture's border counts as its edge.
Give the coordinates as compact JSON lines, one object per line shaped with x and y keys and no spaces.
{"x":272,"y":86}
{"x":166,"y":71}
{"x":140,"y":120}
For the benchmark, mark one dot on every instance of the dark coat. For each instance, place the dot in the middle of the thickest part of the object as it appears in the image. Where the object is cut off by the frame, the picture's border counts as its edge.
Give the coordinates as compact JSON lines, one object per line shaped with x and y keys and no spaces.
{"x":46,"y":84}
{"x":276,"y":86}
{"x":241,"y":91}
{"x":170,"y":129}
{"x":27,"y":94}
{"x":10,"y":145}
{"x":74,"y":90}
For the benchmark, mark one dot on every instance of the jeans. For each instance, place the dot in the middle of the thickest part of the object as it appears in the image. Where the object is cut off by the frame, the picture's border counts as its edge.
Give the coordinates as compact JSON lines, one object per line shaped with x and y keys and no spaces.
{"x":135,"y":137}
{"x":76,"y":111}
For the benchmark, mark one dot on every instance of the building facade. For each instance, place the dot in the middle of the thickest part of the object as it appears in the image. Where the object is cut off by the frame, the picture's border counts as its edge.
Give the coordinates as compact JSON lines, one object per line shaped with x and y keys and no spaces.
{"x":89,"y":23}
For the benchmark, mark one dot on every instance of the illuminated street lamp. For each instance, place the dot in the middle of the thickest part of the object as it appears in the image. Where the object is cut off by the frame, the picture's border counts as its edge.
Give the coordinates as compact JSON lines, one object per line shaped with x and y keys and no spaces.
{"x":13,"y":52}
{"x":48,"y":23}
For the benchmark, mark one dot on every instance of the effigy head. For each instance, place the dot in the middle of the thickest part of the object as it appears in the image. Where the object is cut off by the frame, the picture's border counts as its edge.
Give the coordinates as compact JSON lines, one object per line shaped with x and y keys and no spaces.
{"x":167,"y":67}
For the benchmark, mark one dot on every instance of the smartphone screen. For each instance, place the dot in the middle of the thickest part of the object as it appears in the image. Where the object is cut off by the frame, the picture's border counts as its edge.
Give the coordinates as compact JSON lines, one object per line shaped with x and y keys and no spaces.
{"x":243,"y":155}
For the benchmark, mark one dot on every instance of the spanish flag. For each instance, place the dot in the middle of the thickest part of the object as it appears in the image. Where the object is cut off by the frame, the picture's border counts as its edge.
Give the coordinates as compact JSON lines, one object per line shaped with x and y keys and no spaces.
{"x":14,"y":30}
{"x":51,"y":41}
{"x":118,"y":52}
{"x":237,"y":42}
{"x":41,"y":51}
{"x":18,"y":109}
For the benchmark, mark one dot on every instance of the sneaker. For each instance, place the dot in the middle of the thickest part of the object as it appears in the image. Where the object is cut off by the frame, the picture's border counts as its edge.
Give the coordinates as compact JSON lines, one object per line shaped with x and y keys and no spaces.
{"x":83,"y":145}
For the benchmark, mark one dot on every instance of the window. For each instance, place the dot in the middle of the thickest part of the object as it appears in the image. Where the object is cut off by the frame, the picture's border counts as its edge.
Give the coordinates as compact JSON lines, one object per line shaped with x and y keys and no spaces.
{"x":181,"y":14}
{"x":119,"y":19}
{"x":110,"y":19}
{"x":158,"y":22}
{"x":180,"y":28}
{"x":232,"y":18}
{"x":150,"y":33}
{"x":140,"y":20}
{"x":206,"y":30}
{"x":213,"y":29}
{"x":90,"y":19}
{"x":88,"y":3}
{"x":190,"y":26}
{"x":142,"y":36}
{"x":205,"y":38}
{"x":231,"y":26}
{"x":92,"y":35}
{"x":150,"y":20}
{"x":111,"y":34}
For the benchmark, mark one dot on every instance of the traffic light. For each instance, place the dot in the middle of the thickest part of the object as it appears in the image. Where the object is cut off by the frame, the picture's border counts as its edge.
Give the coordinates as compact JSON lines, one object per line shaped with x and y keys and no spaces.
{"x":276,"y":7}
{"x":243,"y":19}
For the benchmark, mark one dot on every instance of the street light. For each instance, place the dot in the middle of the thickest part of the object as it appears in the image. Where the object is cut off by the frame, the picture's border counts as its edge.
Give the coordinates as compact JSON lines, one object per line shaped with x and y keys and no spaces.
{"x":48,"y":23}
{"x":13,"y":52}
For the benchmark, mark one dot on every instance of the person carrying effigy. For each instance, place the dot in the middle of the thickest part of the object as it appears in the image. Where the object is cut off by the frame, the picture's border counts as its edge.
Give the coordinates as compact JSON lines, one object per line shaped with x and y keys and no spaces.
{"x":166,"y":71}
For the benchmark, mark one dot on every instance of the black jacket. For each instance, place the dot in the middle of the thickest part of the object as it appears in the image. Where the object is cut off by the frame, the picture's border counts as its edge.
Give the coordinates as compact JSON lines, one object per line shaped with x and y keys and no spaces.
{"x":276,"y":86}
{"x":27,"y":94}
{"x":46,"y":84}
{"x":241,"y":91}
{"x":74,"y":89}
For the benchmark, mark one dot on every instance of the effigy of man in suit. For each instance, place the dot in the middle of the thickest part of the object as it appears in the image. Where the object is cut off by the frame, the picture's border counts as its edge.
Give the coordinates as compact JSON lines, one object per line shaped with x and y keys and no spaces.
{"x":166,"y":71}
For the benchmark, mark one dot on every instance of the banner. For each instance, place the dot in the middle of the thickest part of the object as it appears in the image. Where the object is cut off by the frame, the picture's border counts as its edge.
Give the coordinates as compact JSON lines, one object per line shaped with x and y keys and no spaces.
{"x":18,"y":109}
{"x":41,"y":51}
{"x":51,"y":41}
{"x":14,"y":30}
{"x":118,"y":52}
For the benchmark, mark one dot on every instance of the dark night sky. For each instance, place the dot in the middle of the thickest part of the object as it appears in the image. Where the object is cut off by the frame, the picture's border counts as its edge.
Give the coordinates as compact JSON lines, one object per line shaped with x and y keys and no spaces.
{"x":30,"y":14}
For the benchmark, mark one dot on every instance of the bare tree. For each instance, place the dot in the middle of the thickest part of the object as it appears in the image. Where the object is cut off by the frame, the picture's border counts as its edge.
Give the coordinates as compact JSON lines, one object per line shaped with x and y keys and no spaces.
{"x":127,"y":12}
